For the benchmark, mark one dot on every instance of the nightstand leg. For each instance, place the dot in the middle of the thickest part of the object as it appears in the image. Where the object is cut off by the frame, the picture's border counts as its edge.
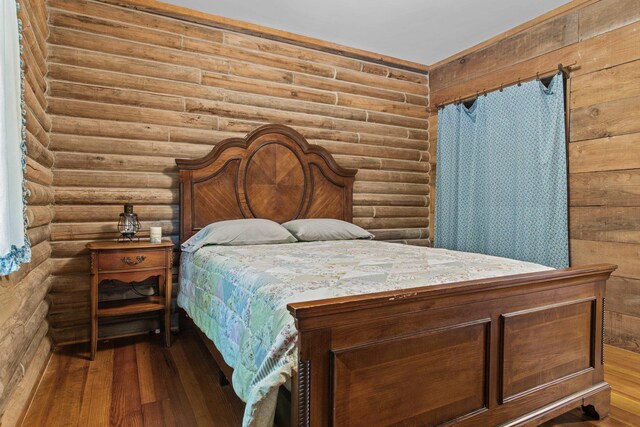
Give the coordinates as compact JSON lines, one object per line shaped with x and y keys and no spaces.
{"x":167,"y":328}
{"x":94,"y":315}
{"x":167,"y":300}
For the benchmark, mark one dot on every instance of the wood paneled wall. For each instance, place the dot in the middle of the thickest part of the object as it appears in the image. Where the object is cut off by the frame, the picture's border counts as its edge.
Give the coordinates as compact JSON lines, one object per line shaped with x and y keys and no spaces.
{"x":131,"y":91}
{"x":24,"y":345}
{"x":603,"y":39}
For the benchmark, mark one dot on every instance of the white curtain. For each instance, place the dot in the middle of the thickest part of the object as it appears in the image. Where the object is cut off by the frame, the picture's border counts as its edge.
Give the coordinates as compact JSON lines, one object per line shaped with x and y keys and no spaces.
{"x":14,"y":247}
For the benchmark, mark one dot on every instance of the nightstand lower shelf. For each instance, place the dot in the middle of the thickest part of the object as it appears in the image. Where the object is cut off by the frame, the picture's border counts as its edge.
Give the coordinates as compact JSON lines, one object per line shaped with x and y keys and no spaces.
{"x":130,"y":306}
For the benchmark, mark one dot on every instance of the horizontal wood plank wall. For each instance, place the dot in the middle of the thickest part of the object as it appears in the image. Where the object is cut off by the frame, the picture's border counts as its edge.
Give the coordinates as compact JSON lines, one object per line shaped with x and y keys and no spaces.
{"x":131,"y":91}
{"x":24,"y":345}
{"x":603,"y":39}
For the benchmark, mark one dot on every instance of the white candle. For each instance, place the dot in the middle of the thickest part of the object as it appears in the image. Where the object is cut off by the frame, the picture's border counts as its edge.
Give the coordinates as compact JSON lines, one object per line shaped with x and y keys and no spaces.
{"x":155,"y":234}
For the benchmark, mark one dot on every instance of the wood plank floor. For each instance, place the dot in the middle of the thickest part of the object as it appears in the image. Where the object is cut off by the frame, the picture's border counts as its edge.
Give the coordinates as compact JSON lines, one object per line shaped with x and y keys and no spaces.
{"x":136,"y":382}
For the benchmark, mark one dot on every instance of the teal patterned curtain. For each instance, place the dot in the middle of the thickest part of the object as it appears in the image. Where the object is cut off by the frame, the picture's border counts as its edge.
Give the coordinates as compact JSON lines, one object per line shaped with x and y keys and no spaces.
{"x":501,"y":182}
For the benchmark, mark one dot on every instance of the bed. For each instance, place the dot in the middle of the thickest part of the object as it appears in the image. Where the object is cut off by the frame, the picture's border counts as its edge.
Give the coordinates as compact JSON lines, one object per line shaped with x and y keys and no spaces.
{"x":494,"y":348}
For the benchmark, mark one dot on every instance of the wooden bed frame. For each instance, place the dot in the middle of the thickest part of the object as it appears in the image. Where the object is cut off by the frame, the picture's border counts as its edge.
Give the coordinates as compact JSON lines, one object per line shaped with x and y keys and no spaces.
{"x":514,"y":350}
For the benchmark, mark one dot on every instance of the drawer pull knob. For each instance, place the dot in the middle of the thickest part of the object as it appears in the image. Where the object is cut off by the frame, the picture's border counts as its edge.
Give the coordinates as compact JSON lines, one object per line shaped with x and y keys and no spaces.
{"x":127,"y":260}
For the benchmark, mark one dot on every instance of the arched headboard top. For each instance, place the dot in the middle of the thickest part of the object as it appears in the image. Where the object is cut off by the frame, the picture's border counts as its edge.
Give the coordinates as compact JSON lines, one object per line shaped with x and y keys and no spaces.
{"x":272,"y":173}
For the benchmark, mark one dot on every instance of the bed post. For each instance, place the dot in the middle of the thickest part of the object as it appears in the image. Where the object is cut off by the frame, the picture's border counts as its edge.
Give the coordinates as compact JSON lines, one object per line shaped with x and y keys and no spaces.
{"x":311,"y":392}
{"x":598,"y":404}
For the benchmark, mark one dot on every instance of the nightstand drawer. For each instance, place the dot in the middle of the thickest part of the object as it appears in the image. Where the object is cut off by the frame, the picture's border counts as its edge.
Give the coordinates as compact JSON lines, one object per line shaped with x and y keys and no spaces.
{"x":132,"y":275}
{"x":131,"y":260}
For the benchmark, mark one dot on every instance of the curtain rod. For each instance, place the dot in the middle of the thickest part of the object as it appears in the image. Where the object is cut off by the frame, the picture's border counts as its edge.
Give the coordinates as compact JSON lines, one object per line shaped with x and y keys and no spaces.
{"x":566,"y":70}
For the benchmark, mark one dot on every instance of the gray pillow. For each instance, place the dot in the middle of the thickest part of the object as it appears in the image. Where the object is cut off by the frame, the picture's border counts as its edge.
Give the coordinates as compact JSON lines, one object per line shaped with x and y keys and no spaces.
{"x":311,"y":230}
{"x":238,"y":232}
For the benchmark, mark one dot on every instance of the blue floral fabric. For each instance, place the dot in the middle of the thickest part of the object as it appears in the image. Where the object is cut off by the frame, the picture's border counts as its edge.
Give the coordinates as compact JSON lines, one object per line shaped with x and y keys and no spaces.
{"x":501,"y":184}
{"x":11,"y":261}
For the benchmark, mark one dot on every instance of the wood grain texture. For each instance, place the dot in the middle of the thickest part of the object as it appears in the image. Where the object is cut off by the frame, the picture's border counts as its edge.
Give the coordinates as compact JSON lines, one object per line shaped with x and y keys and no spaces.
{"x":134,"y":381}
{"x":360,"y":352}
{"x":132,"y":88}
{"x":604,"y":223}
{"x":179,"y":386}
{"x":272,"y":173}
{"x":522,"y":373}
{"x":130,"y":262}
{"x":542,"y":38}
{"x":420,"y":371}
{"x":24,"y":344}
{"x":274,"y":34}
{"x":604,"y":168}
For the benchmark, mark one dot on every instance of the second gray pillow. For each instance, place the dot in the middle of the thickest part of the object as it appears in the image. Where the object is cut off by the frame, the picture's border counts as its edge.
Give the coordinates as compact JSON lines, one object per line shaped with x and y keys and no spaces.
{"x":314,"y":229}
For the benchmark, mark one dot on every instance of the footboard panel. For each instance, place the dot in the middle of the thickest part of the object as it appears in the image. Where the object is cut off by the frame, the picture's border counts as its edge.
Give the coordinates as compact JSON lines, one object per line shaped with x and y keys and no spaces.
{"x":515,"y":351}
{"x":561,"y":336}
{"x":423,"y":367}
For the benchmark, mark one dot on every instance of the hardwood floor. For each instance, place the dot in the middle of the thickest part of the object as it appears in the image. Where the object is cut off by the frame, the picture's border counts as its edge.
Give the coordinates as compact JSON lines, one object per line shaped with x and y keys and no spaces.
{"x":136,"y":382}
{"x":622,"y":372}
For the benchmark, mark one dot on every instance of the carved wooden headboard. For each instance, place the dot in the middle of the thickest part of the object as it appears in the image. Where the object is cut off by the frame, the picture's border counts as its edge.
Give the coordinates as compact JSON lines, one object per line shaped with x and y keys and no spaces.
{"x":272,"y":173}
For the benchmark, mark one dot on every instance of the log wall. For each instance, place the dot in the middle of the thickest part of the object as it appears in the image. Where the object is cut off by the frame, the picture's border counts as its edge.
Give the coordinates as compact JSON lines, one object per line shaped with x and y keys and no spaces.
{"x":130,"y":91}
{"x":602,"y":38}
{"x":24,"y":345}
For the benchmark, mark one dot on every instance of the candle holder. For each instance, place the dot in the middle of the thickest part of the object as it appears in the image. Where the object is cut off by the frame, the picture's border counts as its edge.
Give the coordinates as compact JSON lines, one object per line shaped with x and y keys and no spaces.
{"x":155,"y":234}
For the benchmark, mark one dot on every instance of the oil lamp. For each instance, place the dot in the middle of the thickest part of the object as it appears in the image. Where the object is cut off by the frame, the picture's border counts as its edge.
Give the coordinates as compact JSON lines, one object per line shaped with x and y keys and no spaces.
{"x":128,"y":224}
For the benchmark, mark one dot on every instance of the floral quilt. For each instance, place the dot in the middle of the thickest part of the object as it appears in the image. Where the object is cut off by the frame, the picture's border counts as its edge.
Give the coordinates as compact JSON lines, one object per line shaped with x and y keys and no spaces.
{"x":238,"y":296}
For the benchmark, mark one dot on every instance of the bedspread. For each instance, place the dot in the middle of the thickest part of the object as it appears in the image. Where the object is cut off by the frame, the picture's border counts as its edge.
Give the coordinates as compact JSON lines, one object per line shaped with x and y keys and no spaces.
{"x":237,"y":295}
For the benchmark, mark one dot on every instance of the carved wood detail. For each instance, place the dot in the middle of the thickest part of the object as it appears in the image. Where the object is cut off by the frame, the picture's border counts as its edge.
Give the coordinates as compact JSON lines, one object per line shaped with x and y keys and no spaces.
{"x":273,"y":173}
{"x":304,"y":392}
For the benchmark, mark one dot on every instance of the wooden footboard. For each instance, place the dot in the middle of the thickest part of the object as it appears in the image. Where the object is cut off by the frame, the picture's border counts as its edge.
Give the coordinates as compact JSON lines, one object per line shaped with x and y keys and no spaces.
{"x":515,"y":350}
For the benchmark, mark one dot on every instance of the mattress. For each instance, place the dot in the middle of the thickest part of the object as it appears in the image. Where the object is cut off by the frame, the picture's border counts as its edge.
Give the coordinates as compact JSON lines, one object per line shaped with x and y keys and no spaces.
{"x":238,"y":296}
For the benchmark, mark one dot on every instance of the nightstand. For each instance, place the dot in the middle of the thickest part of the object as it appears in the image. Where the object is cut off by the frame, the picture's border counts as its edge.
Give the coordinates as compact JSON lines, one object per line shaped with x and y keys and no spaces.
{"x":130,"y":262}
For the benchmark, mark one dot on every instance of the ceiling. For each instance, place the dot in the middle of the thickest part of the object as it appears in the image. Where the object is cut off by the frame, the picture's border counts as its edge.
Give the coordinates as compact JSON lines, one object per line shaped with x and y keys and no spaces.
{"x":423,"y":31}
